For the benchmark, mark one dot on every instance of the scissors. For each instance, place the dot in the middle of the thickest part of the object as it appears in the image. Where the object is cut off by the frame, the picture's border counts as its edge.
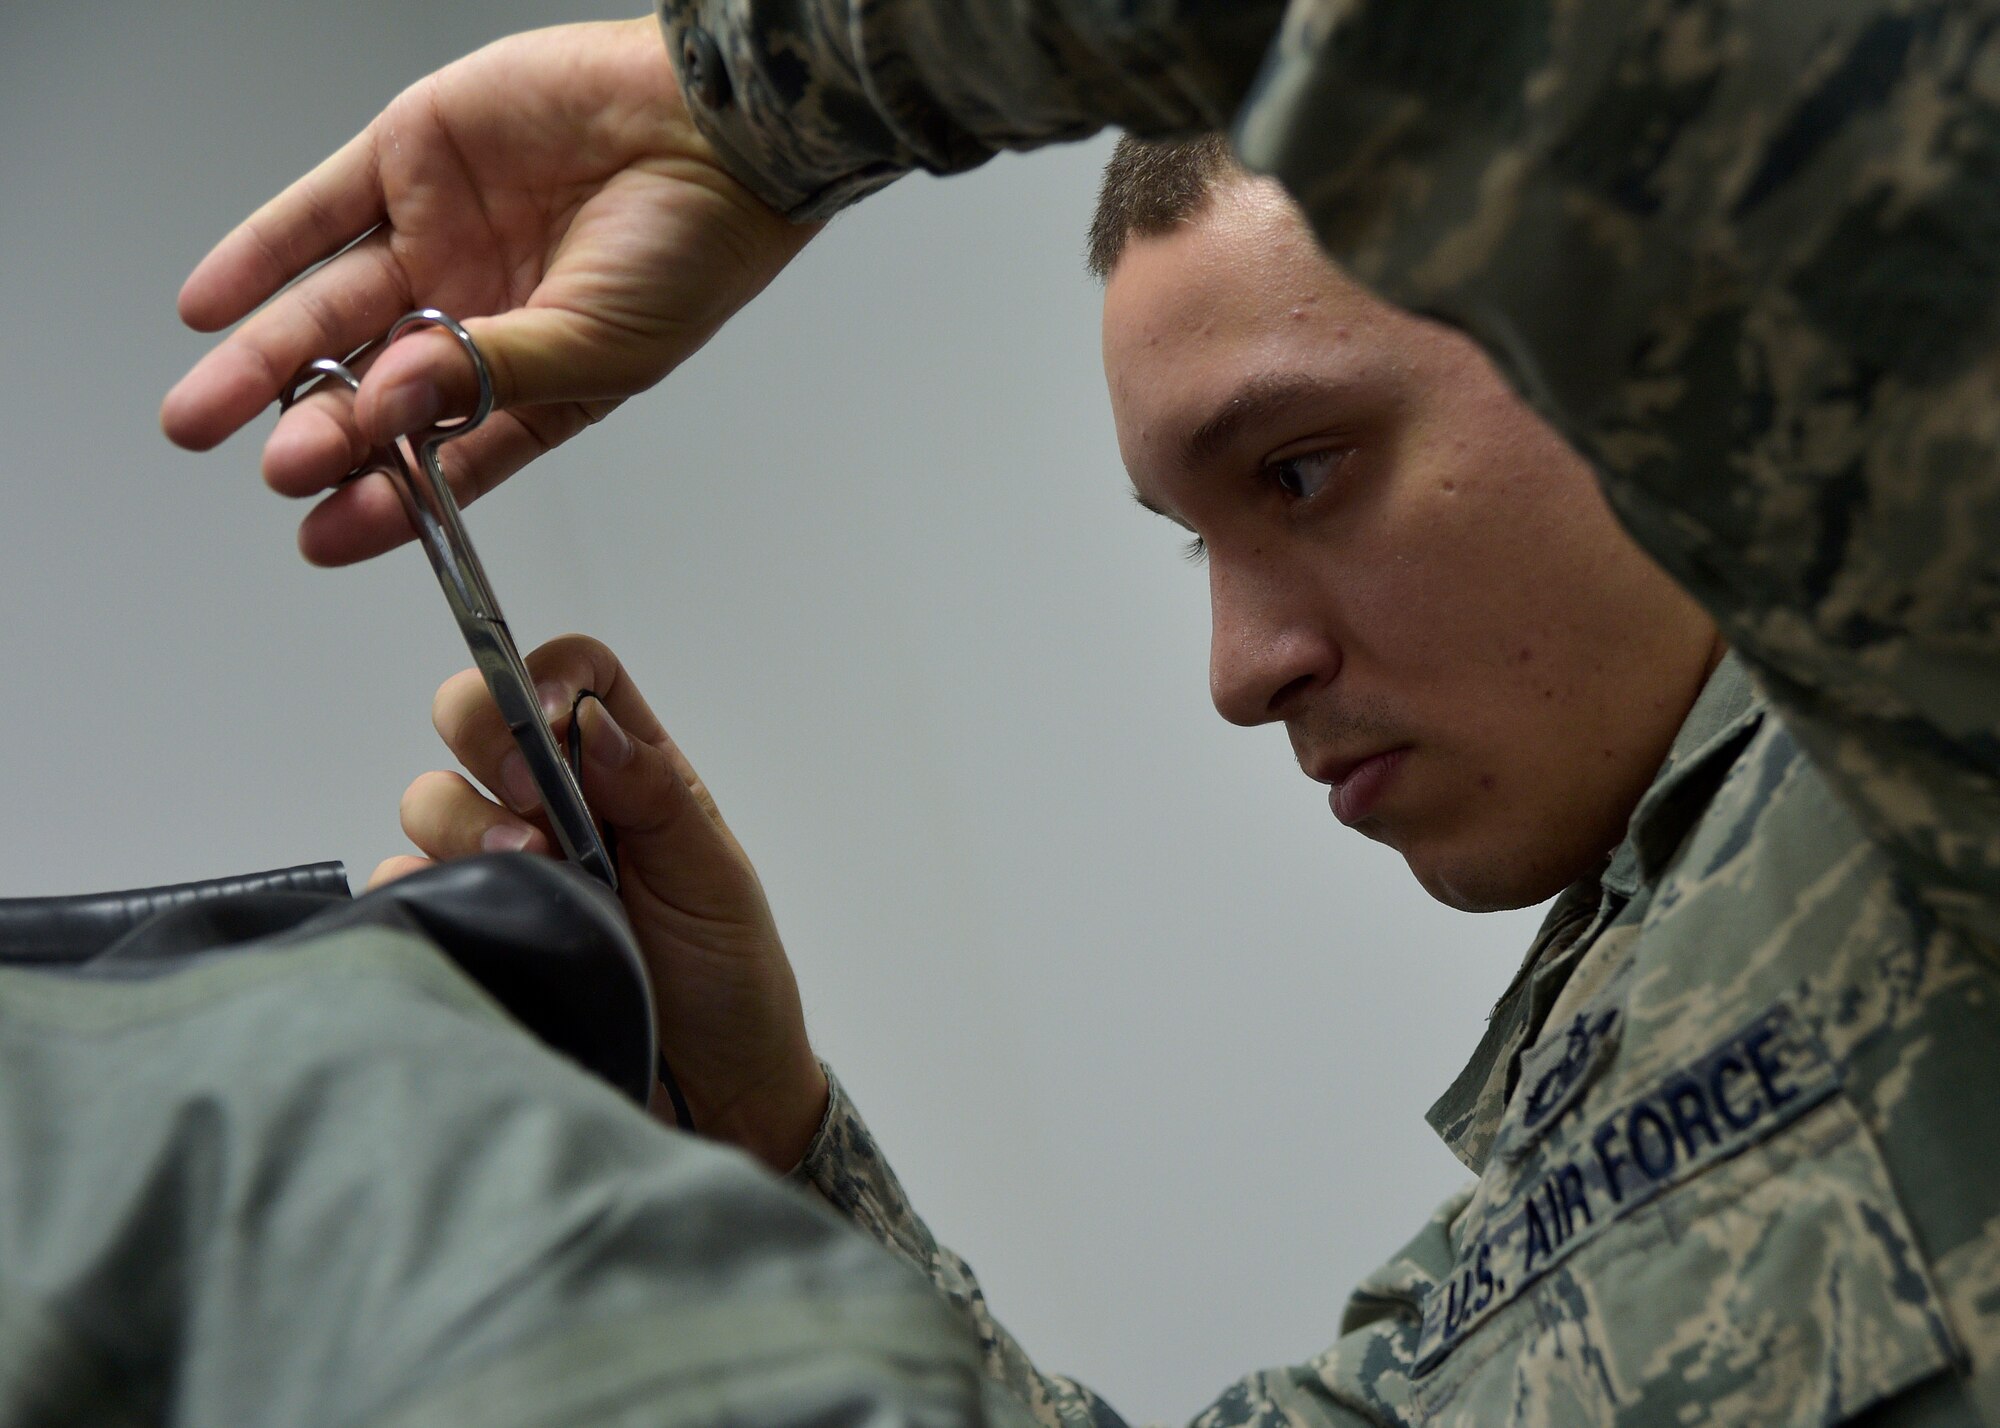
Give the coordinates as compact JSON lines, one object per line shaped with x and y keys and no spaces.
{"x":434,"y":516}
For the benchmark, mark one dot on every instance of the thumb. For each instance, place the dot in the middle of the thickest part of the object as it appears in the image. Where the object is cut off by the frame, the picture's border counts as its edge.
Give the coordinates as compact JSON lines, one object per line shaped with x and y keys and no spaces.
{"x":669,"y":835}
{"x":535,"y":356}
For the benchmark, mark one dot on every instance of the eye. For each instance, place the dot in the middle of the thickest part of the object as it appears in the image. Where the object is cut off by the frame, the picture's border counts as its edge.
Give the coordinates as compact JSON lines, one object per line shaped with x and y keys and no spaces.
{"x":1195,"y":551}
{"x":1303,"y":477}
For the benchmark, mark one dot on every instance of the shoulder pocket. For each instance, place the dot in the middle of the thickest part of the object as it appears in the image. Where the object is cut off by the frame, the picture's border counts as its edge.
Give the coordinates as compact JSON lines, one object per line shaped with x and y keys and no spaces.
{"x":1725,"y":1246}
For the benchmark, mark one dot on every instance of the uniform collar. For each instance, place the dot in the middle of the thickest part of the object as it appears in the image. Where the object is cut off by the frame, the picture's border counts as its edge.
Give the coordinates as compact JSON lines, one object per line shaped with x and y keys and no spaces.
{"x":1467,"y":1115}
{"x":1729,"y":706}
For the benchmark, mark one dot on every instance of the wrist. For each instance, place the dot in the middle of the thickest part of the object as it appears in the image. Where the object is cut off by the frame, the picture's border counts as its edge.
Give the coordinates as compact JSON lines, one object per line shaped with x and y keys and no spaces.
{"x":781,"y":1141}
{"x":775,"y":1124}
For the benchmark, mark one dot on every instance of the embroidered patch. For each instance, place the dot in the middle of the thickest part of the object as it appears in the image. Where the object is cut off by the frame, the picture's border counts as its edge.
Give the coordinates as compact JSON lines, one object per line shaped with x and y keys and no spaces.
{"x":1555,"y":1072}
{"x":1727,"y":1099}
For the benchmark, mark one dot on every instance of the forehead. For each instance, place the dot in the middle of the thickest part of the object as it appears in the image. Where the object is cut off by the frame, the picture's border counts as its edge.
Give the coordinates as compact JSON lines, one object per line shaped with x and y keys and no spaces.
{"x":1240,"y":293}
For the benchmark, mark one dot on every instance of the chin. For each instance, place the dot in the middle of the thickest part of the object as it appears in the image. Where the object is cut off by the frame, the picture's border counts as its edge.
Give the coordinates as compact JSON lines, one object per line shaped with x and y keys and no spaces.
{"x":1495,"y":882}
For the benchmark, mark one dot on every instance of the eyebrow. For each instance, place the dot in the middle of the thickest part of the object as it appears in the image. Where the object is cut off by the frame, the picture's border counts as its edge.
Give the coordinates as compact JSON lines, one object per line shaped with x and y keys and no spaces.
{"x":1258,"y":398}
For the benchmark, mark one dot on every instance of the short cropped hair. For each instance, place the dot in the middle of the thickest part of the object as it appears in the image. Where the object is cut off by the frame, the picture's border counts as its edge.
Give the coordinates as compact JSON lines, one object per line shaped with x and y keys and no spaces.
{"x":1152,"y":186}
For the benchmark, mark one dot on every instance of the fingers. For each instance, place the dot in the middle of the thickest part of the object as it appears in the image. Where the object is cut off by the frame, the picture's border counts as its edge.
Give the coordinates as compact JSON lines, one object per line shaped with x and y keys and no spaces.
{"x":419,"y":379}
{"x":536,"y":356}
{"x":365,"y":518}
{"x":634,"y":776}
{"x":390,"y":869}
{"x":314,"y":445}
{"x":470,"y":725}
{"x":446,"y":817}
{"x":672,"y":842}
{"x":315,"y":217}
{"x":357,"y":522}
{"x":647,"y":789}
{"x":337,"y":309}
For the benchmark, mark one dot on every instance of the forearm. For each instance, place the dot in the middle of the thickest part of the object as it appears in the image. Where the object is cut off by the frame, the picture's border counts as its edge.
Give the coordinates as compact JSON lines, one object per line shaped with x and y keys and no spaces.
{"x":821,"y":101}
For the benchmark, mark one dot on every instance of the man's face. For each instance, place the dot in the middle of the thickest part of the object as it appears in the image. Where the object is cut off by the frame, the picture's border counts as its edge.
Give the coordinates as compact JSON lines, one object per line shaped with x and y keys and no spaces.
{"x":1407,"y":567}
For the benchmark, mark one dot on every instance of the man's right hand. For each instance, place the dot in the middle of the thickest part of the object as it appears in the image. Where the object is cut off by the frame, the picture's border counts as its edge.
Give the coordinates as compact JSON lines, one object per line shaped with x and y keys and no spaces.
{"x":551,"y":192}
{"x":729,"y":1016}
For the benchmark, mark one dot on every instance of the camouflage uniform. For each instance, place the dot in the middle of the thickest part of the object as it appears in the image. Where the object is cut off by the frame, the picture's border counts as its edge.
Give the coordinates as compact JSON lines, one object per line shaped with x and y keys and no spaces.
{"x":1734,"y":1154}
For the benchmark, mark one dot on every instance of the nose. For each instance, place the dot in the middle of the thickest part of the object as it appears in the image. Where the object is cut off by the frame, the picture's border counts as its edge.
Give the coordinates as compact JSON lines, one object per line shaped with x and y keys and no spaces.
{"x":1265,"y":653}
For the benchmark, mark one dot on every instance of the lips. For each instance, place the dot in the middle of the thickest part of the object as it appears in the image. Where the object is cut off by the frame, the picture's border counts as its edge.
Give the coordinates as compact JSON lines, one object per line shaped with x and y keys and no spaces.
{"x":1359,"y":784}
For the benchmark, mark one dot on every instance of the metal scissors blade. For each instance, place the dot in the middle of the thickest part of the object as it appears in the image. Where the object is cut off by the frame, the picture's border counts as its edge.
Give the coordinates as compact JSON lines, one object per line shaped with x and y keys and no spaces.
{"x":434,"y":516}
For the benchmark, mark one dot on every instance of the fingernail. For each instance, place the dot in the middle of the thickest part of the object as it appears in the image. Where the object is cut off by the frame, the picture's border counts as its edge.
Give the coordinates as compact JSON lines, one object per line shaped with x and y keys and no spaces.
{"x":517,"y":785}
{"x":410,"y":407}
{"x":505,"y":838}
{"x":555,"y":699}
{"x":604,"y":743}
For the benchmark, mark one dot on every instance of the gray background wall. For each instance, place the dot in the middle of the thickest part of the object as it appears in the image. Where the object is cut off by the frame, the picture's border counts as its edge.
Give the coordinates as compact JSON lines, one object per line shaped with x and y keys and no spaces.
{"x":1147,"y":1033}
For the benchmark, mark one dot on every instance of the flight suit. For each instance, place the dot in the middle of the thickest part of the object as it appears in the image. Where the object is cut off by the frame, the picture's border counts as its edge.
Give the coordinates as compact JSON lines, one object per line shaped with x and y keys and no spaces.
{"x":269,"y":1157}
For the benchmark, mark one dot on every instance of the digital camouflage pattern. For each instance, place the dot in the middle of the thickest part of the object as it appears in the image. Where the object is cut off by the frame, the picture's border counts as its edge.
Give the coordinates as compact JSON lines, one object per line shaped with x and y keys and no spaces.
{"x":1732,"y":1121}
{"x":828,"y":100}
{"x":1734,"y":1166}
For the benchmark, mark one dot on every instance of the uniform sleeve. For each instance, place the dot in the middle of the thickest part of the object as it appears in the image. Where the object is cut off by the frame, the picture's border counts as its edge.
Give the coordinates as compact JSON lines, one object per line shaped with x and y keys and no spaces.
{"x":1360,"y":1380}
{"x":814,"y":103}
{"x":1747,"y":257}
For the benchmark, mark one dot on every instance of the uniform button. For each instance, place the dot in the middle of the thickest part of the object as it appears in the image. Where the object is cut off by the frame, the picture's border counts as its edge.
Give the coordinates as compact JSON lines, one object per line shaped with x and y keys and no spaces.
{"x":701,"y":68}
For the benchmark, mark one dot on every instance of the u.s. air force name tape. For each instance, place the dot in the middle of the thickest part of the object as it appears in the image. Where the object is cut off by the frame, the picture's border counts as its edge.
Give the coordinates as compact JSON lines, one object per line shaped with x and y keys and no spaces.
{"x":1739,"y":1092}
